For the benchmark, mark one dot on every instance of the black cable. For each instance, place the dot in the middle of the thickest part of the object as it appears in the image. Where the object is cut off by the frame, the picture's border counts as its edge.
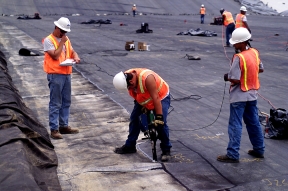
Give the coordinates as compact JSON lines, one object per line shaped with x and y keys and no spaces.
{"x":99,"y":68}
{"x":197,"y":97}
{"x":213,"y":121}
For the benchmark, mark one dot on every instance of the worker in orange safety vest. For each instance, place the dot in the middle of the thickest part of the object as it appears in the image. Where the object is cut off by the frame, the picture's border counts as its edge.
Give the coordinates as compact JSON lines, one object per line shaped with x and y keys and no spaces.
{"x":228,"y":22}
{"x":58,"y":48}
{"x":150,"y":92}
{"x":244,"y":78}
{"x":202,"y":13}
{"x":134,"y":10}
{"x":241,"y":19}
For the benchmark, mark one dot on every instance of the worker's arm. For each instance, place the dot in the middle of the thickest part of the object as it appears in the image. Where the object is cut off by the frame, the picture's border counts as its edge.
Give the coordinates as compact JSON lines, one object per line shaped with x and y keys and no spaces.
{"x":261,"y":67}
{"x":246,"y":25}
{"x":75,"y":56}
{"x":150,"y":84}
{"x":223,"y":19}
{"x":55,"y":54}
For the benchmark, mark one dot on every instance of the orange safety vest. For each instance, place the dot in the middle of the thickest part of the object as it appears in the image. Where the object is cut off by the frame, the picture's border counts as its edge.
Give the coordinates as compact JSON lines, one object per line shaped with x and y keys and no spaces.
{"x":228,"y":18}
{"x":142,"y":96}
{"x":52,"y":66}
{"x":239,"y":22}
{"x":202,"y":11}
{"x":249,"y":65}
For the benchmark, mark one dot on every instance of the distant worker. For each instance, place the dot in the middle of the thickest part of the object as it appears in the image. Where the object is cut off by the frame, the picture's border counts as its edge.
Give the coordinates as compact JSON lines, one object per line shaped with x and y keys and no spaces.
{"x":202,"y":13}
{"x":228,"y":22}
{"x":150,"y":92}
{"x":57,"y":48}
{"x":134,"y":10}
{"x":244,"y":78}
{"x":241,"y":19}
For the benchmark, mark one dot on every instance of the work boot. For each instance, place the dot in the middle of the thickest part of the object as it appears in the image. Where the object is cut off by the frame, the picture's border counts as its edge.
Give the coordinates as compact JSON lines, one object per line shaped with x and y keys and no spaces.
{"x":55,"y":134}
{"x":68,"y":130}
{"x":125,"y":149}
{"x":165,"y":156}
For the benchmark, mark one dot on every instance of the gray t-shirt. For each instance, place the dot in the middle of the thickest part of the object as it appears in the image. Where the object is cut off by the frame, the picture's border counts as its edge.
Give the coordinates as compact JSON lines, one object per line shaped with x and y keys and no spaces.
{"x":48,"y":45}
{"x":236,"y":94}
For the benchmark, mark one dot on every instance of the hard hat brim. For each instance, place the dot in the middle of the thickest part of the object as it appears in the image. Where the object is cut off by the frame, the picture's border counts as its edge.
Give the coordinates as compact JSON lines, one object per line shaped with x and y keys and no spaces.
{"x":235,"y":42}
{"x":56,"y":23}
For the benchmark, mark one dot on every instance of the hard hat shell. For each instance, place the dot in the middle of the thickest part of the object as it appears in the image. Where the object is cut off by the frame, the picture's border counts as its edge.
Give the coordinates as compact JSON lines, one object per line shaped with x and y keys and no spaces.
{"x":243,"y":8}
{"x":202,"y":5}
{"x":63,"y":23}
{"x":134,"y":5}
{"x":119,"y":81}
{"x":240,"y":35}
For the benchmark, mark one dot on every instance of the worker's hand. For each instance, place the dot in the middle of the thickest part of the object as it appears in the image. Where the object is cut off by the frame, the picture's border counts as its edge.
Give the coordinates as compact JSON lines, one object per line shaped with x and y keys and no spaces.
{"x":226,"y":77}
{"x":159,"y":121}
{"x":64,"y":39}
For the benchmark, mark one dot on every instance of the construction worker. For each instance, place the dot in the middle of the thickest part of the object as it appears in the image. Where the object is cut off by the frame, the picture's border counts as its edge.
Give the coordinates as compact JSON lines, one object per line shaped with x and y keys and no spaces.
{"x":134,"y":10}
{"x":241,"y":19}
{"x":57,"y":48}
{"x":228,"y":22}
{"x":243,"y":75}
{"x":202,"y":13}
{"x":150,"y":92}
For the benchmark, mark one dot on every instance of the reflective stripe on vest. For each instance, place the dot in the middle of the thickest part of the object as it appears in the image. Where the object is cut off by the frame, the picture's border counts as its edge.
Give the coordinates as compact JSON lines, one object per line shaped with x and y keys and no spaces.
{"x":228,"y":18}
{"x":142,"y":87}
{"x":239,"y":22}
{"x":245,"y":84}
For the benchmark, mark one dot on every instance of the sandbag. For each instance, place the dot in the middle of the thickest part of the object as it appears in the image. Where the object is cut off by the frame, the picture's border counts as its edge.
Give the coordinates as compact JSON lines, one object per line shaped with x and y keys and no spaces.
{"x":277,"y":124}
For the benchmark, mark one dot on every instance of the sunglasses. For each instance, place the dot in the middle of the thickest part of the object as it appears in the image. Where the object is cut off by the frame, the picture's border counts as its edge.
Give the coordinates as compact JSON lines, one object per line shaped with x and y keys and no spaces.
{"x":62,"y":31}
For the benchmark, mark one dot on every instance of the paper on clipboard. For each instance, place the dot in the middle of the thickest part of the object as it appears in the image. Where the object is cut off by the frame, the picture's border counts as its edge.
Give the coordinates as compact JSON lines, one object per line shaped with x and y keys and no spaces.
{"x":67,"y":62}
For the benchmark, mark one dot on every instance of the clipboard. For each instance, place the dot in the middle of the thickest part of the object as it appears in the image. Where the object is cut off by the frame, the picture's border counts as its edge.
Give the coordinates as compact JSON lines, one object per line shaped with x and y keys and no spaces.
{"x":67,"y":62}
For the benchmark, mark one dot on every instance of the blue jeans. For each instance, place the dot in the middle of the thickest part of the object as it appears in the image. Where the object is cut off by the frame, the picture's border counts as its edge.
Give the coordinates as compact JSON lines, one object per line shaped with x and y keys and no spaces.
{"x":202,"y":18}
{"x":229,"y":29}
{"x":135,"y":125}
{"x":60,"y":100}
{"x":134,"y":13}
{"x":249,"y":112}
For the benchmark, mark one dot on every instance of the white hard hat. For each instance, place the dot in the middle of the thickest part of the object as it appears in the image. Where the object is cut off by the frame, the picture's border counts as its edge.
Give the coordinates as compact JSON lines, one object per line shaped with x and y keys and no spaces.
{"x":134,"y":5}
{"x":63,"y":23}
{"x":243,"y":8}
{"x":119,"y":81}
{"x":240,"y":35}
{"x":202,"y":5}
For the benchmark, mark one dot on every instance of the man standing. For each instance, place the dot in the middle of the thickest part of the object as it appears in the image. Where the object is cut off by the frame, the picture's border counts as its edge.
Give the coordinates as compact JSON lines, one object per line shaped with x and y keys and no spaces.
{"x":134,"y":10}
{"x":241,"y":19}
{"x":202,"y":13}
{"x":57,"y":48}
{"x":228,"y":22}
{"x":243,"y":76}
{"x":151,"y":92}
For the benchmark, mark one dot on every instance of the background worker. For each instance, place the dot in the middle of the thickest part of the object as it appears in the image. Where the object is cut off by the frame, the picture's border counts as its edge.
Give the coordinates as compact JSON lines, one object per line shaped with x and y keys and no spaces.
{"x":228,"y":22}
{"x":202,"y":13}
{"x":151,"y":92}
{"x":57,"y":48}
{"x":241,"y":19}
{"x":244,"y":79}
{"x":134,"y":10}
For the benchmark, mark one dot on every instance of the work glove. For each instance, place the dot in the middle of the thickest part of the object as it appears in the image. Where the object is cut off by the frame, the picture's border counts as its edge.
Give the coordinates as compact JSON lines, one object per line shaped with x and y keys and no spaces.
{"x":144,"y":110}
{"x":226,"y":77}
{"x":159,"y":121}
